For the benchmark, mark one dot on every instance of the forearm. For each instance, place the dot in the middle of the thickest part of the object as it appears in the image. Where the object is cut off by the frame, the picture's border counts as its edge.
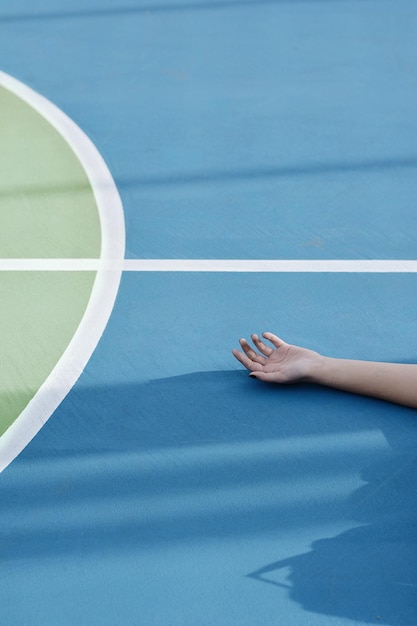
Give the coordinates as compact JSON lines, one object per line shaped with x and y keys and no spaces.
{"x":394,"y":382}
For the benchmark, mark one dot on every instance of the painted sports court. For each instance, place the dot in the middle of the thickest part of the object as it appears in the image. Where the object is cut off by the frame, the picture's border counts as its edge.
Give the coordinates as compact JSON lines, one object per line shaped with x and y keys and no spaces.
{"x":174,"y":176}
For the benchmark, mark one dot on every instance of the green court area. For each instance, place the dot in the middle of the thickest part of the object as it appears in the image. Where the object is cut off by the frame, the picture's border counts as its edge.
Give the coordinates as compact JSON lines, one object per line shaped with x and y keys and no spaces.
{"x":39,"y":314}
{"x":48,"y":210}
{"x":47,"y":205}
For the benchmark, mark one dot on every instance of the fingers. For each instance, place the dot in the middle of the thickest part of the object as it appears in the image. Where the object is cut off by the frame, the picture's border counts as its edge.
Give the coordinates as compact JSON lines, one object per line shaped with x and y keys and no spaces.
{"x":266,"y":350}
{"x":276,"y":341}
{"x":250,"y":365}
{"x":252,"y":360}
{"x":247,"y":361}
{"x":250,"y":352}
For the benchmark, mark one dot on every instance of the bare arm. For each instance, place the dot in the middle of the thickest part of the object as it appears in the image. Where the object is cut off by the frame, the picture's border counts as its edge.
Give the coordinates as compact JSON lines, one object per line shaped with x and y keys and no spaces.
{"x":285,"y":363}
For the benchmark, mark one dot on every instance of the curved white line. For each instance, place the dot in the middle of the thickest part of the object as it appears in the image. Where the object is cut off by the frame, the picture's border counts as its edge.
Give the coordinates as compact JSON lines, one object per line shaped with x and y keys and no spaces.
{"x":106,"y":284}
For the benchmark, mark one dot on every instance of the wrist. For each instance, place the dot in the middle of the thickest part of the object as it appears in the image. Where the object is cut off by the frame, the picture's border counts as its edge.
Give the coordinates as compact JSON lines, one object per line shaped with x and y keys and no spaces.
{"x":319,"y":369}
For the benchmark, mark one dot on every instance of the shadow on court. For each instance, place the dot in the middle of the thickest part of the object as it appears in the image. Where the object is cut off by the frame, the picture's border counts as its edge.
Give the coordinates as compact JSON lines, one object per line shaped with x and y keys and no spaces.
{"x":367,"y":573}
{"x":211,"y":456}
{"x":224,"y":176}
{"x":144,"y":9}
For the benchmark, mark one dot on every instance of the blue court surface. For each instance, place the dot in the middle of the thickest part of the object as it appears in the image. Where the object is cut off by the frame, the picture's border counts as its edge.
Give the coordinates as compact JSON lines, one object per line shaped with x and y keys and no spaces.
{"x":168,"y":488}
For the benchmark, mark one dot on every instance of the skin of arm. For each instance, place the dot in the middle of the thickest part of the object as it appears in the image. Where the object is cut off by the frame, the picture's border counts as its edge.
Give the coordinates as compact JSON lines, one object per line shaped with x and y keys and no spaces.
{"x":285,"y":364}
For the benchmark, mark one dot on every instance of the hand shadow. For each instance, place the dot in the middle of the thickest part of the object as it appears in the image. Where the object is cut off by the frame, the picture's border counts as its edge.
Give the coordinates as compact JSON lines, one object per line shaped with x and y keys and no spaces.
{"x":368,"y":573}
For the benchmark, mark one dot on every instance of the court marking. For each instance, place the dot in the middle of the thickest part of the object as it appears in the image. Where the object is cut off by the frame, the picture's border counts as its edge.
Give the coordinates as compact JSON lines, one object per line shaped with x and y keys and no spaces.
{"x":83,"y":343}
{"x":111,"y":265}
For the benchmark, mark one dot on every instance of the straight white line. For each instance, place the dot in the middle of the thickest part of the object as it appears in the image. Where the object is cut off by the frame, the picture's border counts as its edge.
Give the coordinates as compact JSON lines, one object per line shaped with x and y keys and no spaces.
{"x":284,"y":265}
{"x":53,"y":265}
{"x":210,"y":265}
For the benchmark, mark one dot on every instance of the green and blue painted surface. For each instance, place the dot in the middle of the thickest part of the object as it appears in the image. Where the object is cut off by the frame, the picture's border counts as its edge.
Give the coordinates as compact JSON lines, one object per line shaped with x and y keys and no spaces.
{"x":167,"y":488}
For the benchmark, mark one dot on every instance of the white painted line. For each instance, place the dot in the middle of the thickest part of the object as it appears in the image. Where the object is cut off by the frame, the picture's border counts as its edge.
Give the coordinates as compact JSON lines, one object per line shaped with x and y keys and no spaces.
{"x":51,"y":265}
{"x":109,"y":206}
{"x":242,"y":265}
{"x":113,"y":264}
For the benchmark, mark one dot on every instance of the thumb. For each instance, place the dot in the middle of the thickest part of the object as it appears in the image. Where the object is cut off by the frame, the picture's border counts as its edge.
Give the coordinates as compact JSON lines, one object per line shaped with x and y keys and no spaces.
{"x":261,"y":376}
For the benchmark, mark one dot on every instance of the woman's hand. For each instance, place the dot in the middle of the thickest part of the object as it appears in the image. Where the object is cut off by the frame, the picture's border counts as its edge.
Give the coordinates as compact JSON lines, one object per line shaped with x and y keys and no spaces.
{"x":283,"y":363}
